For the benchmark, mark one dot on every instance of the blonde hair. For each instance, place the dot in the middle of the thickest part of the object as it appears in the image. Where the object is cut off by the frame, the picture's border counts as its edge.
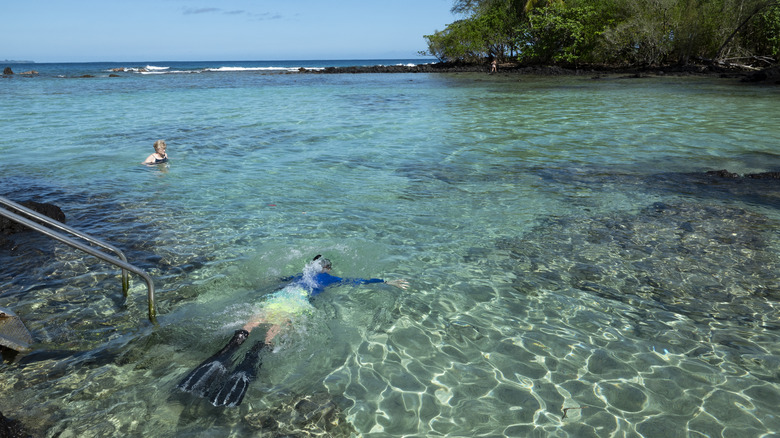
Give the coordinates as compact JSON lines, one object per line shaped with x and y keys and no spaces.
{"x":159,"y":145}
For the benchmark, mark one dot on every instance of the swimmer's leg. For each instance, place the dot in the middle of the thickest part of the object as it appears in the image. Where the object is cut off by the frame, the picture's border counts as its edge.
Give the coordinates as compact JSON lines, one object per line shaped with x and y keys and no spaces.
{"x":272,"y":332}
{"x":232,"y":393}
{"x":214,"y":368}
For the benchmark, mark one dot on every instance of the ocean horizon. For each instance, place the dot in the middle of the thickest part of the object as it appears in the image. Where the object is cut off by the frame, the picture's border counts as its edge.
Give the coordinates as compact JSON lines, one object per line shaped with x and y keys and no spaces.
{"x":579,"y":264}
{"x":163,"y":67}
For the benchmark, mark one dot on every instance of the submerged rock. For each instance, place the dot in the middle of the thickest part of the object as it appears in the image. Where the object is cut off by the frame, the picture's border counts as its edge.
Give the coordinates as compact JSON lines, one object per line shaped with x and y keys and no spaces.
{"x":763,"y":175}
{"x":7,"y":226}
{"x":723,"y":173}
{"x":11,"y":428}
{"x":304,"y":416}
{"x":755,"y":188}
{"x":702,"y":261}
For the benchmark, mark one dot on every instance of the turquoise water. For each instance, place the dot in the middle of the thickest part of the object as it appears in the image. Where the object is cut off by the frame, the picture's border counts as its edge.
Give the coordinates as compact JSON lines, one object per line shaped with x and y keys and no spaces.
{"x":563,"y":245}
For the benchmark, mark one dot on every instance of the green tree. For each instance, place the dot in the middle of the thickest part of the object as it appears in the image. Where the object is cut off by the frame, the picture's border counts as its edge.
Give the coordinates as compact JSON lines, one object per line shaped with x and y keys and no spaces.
{"x":633,"y":32}
{"x":642,"y":33}
{"x":460,"y":41}
{"x":655,"y":32}
{"x":489,"y":33}
{"x":559,"y":33}
{"x":758,"y":33}
{"x":764,"y":34}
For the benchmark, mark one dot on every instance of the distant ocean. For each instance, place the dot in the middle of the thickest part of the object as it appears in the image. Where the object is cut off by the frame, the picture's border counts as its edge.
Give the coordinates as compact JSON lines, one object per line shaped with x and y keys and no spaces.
{"x":574,"y":269}
{"x":174,"y":67}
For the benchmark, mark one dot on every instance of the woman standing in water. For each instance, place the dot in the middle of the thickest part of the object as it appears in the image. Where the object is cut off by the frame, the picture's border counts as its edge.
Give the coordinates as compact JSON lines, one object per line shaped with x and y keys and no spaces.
{"x":159,"y":155}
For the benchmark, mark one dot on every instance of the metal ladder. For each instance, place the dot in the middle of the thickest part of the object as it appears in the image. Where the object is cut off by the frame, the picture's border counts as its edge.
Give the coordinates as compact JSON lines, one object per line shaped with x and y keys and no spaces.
{"x":120,"y":262}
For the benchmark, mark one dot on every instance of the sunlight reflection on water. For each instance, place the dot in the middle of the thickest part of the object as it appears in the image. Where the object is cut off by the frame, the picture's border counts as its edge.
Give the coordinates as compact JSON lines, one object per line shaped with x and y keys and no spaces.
{"x":564,"y":249}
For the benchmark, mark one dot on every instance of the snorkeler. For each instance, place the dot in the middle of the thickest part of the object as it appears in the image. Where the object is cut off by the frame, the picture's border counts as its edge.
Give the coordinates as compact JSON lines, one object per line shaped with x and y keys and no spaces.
{"x":208,"y":379}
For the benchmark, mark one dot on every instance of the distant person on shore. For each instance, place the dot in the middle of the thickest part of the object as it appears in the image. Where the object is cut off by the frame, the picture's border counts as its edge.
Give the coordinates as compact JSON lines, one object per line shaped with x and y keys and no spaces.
{"x":494,"y":66}
{"x":159,"y":155}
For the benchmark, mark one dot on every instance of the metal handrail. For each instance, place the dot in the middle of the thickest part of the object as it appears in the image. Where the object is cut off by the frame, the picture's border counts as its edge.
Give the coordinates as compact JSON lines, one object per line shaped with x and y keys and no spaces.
{"x":75,"y":232}
{"x":89,"y":250}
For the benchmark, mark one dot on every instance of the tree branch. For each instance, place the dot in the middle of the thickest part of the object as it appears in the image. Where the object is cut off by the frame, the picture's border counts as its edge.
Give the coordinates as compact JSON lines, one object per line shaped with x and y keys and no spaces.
{"x":719,"y":55}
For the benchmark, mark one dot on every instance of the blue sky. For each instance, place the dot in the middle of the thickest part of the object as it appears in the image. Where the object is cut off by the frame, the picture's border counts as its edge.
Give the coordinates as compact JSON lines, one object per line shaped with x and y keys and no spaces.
{"x":196,"y":30}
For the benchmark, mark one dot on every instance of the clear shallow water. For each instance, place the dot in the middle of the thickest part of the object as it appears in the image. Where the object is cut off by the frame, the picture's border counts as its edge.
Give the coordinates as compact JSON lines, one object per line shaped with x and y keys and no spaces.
{"x":563,"y":246}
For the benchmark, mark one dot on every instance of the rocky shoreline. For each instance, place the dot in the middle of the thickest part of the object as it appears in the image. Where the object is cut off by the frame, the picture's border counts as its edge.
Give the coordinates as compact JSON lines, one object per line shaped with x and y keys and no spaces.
{"x":768,"y":75}
{"x":8,"y":71}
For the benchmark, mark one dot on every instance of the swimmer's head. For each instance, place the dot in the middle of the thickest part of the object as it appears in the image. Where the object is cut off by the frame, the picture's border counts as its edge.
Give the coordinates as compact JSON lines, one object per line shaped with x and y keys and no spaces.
{"x":325,"y":264}
{"x":159,"y":146}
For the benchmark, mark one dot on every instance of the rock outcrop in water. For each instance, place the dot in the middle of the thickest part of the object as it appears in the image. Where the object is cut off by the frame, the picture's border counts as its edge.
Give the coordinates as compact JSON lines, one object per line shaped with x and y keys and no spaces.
{"x":7,"y":226}
{"x":11,"y":428}
{"x":723,"y":173}
{"x":769,"y":75}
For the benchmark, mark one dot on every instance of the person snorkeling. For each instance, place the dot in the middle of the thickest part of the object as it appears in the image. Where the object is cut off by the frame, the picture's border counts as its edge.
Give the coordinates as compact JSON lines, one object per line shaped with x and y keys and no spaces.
{"x":208,"y":380}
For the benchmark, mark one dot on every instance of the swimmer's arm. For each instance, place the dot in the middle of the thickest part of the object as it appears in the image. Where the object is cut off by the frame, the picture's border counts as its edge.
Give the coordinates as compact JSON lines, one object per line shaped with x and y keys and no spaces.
{"x":400,"y":283}
{"x":367,"y":281}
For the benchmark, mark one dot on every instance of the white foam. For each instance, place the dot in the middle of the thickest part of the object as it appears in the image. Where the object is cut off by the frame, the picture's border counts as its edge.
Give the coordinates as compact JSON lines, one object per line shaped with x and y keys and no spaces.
{"x":241,"y":68}
{"x":165,"y":72}
{"x":157,"y":70}
{"x":231,"y":69}
{"x":310,"y":272}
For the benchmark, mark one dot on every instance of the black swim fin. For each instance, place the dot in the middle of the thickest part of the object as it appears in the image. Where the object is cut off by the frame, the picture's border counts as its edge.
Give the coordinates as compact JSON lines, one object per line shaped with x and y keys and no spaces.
{"x":214,"y":368}
{"x":231,"y":394}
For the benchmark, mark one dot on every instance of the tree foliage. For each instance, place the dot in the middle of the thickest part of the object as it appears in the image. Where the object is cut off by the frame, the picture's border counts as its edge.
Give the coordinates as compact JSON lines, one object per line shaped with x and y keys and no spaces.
{"x":489,"y":31}
{"x":633,"y":32}
{"x":764,"y":33}
{"x":559,"y":34}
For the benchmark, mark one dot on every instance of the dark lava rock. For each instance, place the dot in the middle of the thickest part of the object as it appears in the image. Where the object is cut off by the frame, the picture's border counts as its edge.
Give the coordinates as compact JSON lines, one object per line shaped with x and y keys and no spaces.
{"x":723,"y":173}
{"x":694,"y":259}
{"x":763,"y":175}
{"x":768,"y":75}
{"x":11,"y":428}
{"x":7,"y":226}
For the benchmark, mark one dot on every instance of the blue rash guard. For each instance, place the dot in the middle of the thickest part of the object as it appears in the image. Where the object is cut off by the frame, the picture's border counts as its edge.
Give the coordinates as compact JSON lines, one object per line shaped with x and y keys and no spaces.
{"x":317,"y":283}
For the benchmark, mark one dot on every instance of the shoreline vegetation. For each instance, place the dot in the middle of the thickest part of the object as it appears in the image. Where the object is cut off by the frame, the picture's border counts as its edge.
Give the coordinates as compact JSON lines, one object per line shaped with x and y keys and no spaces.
{"x":712,"y":36}
{"x":611,"y":32}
